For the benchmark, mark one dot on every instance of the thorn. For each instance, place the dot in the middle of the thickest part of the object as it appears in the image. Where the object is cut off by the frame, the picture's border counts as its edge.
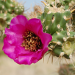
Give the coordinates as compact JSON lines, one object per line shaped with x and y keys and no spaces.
{"x":72,"y":10}
{"x":40,"y":12}
{"x":68,"y":19}
{"x":50,"y":49}
{"x":44,"y":3}
{"x":49,"y":57}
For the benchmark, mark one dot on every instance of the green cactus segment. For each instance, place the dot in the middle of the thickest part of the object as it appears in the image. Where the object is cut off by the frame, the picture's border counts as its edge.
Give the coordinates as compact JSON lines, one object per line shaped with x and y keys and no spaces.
{"x":60,"y":3}
{"x":6,"y":17}
{"x":11,"y":6}
{"x":19,"y":9}
{"x":62,"y":36}
{"x":5,"y":20}
{"x":46,"y":10}
{"x":47,"y":22}
{"x":43,"y":16}
{"x":57,"y":50}
{"x":54,"y":21}
{"x":57,"y":24}
{"x":8,"y":10}
{"x":59,"y":36}
{"x":65,"y":3}
{"x":63,"y":42}
{"x":7,"y":6}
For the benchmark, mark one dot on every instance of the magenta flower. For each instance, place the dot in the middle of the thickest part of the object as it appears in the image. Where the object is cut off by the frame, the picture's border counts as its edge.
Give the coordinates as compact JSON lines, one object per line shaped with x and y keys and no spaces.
{"x":25,"y":41}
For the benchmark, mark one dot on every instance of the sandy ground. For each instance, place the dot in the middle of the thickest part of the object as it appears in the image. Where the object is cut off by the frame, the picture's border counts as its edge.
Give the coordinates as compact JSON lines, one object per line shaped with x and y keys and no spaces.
{"x":9,"y":67}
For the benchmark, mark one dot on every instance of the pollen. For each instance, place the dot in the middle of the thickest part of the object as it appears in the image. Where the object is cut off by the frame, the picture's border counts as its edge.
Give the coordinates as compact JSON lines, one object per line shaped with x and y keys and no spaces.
{"x":31,"y":41}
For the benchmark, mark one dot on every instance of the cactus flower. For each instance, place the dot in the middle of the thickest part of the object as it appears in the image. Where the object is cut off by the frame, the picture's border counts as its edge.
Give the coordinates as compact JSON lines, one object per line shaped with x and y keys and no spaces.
{"x":25,"y":41}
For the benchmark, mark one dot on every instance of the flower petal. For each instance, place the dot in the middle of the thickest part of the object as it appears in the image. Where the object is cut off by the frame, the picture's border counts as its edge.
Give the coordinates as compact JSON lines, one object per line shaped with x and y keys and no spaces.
{"x":20,"y":19}
{"x":34,"y":25}
{"x":12,"y":37}
{"x":18,"y":29}
{"x":45,"y":39}
{"x":9,"y":50}
{"x":31,"y":57}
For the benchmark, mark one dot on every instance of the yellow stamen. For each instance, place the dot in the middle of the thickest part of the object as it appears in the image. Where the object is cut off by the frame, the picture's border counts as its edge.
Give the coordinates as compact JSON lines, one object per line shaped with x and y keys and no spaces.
{"x":31,"y":41}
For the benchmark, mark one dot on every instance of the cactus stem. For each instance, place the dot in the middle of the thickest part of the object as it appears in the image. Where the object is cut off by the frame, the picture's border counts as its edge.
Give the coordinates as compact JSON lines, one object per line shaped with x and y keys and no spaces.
{"x":44,"y":3}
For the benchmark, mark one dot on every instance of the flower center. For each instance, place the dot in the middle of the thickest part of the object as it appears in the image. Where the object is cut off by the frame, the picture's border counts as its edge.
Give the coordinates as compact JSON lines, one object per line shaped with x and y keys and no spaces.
{"x":31,"y":41}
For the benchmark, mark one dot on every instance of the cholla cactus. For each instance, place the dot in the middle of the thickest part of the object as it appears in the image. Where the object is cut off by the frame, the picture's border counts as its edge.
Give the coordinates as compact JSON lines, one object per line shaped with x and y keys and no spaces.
{"x":8,"y":10}
{"x":11,"y":6}
{"x":57,"y":22}
{"x":66,"y":3}
{"x":66,"y":69}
